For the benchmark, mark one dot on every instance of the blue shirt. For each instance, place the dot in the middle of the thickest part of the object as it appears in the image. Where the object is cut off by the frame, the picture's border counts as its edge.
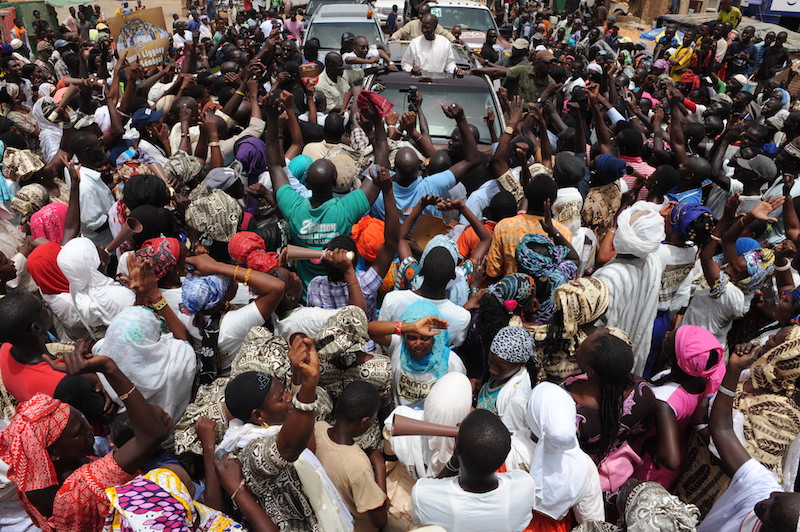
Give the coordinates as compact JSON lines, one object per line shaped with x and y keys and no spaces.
{"x":407,"y":197}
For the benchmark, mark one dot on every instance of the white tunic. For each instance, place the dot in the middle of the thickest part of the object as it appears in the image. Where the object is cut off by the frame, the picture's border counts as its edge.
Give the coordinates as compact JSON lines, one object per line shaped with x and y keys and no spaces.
{"x":429,"y":56}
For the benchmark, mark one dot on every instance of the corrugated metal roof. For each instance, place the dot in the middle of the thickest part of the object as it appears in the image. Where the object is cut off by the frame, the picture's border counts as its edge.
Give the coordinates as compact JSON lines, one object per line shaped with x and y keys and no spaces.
{"x":762,"y":28}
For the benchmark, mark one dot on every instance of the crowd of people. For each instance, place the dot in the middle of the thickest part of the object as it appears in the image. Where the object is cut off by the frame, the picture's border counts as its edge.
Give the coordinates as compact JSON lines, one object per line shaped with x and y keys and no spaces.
{"x":588,"y":321}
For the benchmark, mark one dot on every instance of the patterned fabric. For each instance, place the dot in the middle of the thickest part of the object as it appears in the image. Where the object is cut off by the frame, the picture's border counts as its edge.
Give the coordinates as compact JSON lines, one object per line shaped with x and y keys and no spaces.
{"x":435,"y":362}
{"x":18,"y":165}
{"x":28,"y":200}
{"x":48,"y":222}
{"x":514,"y":291}
{"x":368,"y":98}
{"x":683,"y":215}
{"x":581,"y":301}
{"x":343,"y":336}
{"x":162,"y":254}
{"x":649,"y":508}
{"x":159,"y":501}
{"x":549,"y":266}
{"x":325,"y":294}
{"x":214,"y":213}
{"x":124,"y":171}
{"x":513,"y":344}
{"x":760,"y":266}
{"x":600,"y":208}
{"x":37,"y":424}
{"x":202,"y":293}
{"x":183,"y":167}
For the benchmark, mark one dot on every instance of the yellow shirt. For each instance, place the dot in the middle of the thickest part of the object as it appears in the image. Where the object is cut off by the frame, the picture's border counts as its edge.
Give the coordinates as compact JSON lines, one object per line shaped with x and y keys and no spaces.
{"x":501,"y":259}
{"x":734,"y":16}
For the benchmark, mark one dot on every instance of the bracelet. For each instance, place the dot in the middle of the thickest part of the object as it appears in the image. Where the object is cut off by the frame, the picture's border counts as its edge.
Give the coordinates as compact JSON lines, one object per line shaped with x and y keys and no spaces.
{"x":304,"y":407}
{"x":352,"y":284}
{"x":240,"y":93}
{"x":398,"y":328}
{"x":784,"y":267}
{"x":612,"y":229}
{"x":235,"y":272}
{"x":159,"y":306}
{"x":715,"y":237}
{"x":724,"y":391}
{"x":247,"y":276}
{"x":186,"y":134}
{"x":236,"y":491}
{"x":214,"y":144}
{"x":391,"y":126}
{"x":700,"y":427}
{"x":449,"y":467}
{"x":509,"y":130}
{"x":124,"y":396}
{"x":107,"y":251}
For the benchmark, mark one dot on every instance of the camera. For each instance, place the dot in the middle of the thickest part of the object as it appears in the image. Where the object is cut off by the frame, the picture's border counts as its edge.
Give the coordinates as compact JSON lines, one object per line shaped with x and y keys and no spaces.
{"x":412,"y":98}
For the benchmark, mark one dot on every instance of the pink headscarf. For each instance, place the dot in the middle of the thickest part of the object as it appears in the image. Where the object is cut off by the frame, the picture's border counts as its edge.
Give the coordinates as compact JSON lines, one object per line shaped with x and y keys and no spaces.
{"x":48,"y":222}
{"x":693,"y":345}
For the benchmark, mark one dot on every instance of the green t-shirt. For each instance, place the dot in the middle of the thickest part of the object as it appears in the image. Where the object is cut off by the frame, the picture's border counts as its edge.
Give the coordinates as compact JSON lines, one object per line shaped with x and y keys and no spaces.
{"x":314,"y":227}
{"x":527,"y":87}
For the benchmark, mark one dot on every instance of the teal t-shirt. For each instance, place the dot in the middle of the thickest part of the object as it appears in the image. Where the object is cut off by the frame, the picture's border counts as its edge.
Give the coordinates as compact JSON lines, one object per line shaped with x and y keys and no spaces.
{"x":313,"y":227}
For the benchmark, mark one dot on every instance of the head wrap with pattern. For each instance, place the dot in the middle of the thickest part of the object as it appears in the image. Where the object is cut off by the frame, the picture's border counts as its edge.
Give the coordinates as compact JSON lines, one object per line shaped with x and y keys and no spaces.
{"x":28,"y":200}
{"x":513,"y":344}
{"x":344,"y":335}
{"x":514,"y":291}
{"x":202,"y":293}
{"x":214,"y":213}
{"x":162,"y":253}
{"x":651,"y":508}
{"x":581,"y":301}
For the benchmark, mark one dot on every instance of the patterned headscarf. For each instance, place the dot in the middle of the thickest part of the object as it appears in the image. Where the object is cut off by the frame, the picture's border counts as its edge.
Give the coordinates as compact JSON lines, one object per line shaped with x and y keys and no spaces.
{"x":436,"y":361}
{"x":214,"y":213}
{"x":162,"y":253}
{"x":344,"y":334}
{"x":514,"y":291}
{"x":513,"y":344}
{"x":159,"y":500}
{"x":43,"y":267}
{"x":778,"y":369}
{"x":581,"y":301}
{"x":28,"y":200}
{"x":682,"y":216}
{"x":651,"y":508}
{"x":552,"y":267}
{"x":248,"y":249}
{"x":38,"y":423}
{"x":760,"y":265}
{"x":203,"y":293}
{"x":48,"y":222}
{"x":182,"y":166}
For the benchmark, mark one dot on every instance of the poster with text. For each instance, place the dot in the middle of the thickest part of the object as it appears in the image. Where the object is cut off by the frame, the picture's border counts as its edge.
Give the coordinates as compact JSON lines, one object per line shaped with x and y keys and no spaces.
{"x":143,"y":33}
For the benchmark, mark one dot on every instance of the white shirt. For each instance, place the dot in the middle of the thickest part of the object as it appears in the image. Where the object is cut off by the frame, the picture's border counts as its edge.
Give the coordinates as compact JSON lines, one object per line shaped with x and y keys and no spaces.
{"x":180,"y":40}
{"x":443,"y":502}
{"x":717,"y":314}
{"x":457,"y":317}
{"x":676,"y":280}
{"x":429,"y":56}
{"x":372,"y":52}
{"x":96,"y":200}
{"x":411,"y":389}
{"x":752,"y":483}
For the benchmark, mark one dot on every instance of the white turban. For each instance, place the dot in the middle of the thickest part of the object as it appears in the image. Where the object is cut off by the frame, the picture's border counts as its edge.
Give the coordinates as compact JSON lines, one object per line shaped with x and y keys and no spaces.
{"x":640,"y":230}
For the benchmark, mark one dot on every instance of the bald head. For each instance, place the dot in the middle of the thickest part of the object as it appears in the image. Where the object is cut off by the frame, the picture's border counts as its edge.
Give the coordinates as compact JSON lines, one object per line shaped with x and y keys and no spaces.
{"x":406,"y":161}
{"x":321,"y":178}
{"x":428,"y":24}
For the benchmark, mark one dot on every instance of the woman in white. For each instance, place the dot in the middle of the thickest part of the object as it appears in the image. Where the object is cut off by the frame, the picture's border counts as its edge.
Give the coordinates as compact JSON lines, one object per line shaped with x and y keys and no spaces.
{"x":565,"y":477}
{"x":97,"y":298}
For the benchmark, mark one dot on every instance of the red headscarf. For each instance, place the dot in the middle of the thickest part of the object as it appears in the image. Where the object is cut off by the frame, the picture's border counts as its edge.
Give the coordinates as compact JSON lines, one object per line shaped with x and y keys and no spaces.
{"x":368,"y":236}
{"x":44,"y":270}
{"x":38,"y":423}
{"x":248,"y":249}
{"x":162,"y":253}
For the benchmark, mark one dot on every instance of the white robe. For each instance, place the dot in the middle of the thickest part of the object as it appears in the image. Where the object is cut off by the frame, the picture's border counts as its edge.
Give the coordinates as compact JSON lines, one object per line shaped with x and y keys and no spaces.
{"x":429,"y":56}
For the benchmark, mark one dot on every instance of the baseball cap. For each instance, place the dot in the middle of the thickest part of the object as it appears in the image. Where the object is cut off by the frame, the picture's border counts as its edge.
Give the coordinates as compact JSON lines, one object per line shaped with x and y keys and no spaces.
{"x":142,"y":117}
{"x":722,"y":98}
{"x":60,"y":43}
{"x":760,"y":164}
{"x":347,"y":36}
{"x":545,"y":56}
{"x":41,"y":46}
{"x":537,"y":37}
{"x":740,"y":79}
{"x":520,"y":44}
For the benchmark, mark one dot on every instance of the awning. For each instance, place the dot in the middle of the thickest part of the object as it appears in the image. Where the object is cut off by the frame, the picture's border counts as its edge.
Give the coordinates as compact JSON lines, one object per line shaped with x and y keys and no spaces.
{"x":65,"y":3}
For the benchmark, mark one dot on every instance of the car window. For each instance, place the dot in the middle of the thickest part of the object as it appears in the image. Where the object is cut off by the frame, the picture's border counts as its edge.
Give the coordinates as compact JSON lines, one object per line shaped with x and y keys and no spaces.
{"x":330,"y":34}
{"x":313,"y":5}
{"x":468,"y":18}
{"x":474,"y":100}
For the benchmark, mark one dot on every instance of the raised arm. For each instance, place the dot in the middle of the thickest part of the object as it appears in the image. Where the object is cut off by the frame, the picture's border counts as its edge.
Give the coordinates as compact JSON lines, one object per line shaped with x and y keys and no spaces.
{"x":404,"y":244}
{"x":391,"y":229}
{"x":470,"y":145}
{"x":298,"y":429}
{"x":791,"y":223}
{"x":274,"y":158}
{"x":499,"y":161}
{"x":72,"y":224}
{"x":381,"y":146}
{"x":676,"y":137}
{"x":603,"y":134}
{"x":423,"y":142}
{"x":477,"y":225}
{"x":382,"y":331}
{"x":296,"y":148}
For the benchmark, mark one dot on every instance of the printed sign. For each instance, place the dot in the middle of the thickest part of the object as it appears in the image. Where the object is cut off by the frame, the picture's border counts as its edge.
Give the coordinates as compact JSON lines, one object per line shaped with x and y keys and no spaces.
{"x":143,"y":33}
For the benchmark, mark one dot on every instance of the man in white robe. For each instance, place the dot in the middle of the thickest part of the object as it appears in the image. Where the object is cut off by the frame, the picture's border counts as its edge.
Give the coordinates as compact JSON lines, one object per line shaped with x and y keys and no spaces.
{"x":430,"y":52}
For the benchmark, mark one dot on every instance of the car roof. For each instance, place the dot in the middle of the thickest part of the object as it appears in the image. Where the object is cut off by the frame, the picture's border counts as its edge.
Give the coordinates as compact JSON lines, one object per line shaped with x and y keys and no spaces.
{"x":341,"y":11}
{"x":436,"y":78}
{"x":455,"y":3}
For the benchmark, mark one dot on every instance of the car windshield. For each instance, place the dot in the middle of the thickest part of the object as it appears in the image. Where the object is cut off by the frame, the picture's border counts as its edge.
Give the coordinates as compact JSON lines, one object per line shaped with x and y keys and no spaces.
{"x":330,"y":33}
{"x":313,"y":5}
{"x":474,"y":100}
{"x":469,"y":18}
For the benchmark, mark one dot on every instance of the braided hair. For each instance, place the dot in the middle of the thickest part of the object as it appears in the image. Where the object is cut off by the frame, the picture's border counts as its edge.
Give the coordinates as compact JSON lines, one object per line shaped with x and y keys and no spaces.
{"x":612,"y":361}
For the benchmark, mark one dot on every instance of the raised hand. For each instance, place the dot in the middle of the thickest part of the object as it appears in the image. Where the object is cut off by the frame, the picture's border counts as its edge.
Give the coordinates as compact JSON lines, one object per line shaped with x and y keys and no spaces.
{"x":303,"y":356}
{"x":453,"y":111}
{"x":764,"y":208}
{"x":429,"y":326}
{"x":744,"y":355}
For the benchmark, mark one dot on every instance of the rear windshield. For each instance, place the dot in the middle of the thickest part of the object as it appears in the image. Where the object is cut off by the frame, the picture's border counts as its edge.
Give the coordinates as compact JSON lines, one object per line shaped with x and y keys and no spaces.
{"x":330,"y":34}
{"x":313,"y":5}
{"x":469,"y":18}
{"x":474,"y":100}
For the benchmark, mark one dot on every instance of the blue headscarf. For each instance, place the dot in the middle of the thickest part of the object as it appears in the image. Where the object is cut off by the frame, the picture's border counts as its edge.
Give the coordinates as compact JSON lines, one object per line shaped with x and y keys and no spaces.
{"x":201,"y":293}
{"x":682,"y":216}
{"x":435,"y":362}
{"x":299,"y":167}
{"x":607,"y":169}
{"x":552,"y":267}
{"x":458,"y":288}
{"x":744,"y":244}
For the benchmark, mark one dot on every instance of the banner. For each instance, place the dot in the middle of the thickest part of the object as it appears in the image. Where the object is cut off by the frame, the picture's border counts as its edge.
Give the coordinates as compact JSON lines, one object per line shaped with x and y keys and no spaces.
{"x":143,"y":33}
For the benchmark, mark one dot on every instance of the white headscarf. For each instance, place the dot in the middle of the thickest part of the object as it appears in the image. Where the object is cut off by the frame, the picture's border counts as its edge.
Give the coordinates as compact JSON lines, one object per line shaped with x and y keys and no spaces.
{"x":448,"y":403}
{"x":640,"y":230}
{"x":161,"y":366}
{"x":558,"y":465}
{"x":49,"y":133}
{"x":97,"y":298}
